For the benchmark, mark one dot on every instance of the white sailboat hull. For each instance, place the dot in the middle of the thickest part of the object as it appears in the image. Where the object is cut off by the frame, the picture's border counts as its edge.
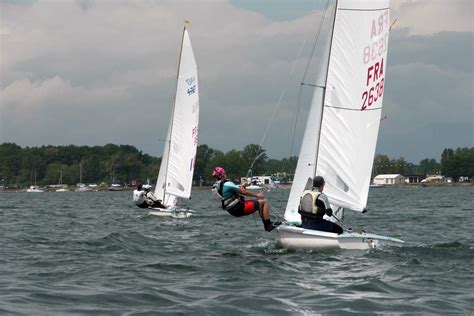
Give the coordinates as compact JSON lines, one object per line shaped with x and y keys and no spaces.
{"x":173,"y":212}
{"x":34,"y":189}
{"x":297,"y":238}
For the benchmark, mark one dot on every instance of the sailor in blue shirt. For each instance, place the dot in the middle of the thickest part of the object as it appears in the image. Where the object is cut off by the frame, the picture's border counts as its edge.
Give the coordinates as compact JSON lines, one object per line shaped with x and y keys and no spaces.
{"x":233,"y":201}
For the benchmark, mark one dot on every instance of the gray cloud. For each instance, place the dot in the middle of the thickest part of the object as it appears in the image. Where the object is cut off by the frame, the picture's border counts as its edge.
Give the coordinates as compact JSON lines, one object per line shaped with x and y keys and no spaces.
{"x":98,"y":72}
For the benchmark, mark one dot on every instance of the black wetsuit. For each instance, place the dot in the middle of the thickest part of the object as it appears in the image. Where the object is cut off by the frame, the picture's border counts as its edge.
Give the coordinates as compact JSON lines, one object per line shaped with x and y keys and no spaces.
{"x":317,"y":222}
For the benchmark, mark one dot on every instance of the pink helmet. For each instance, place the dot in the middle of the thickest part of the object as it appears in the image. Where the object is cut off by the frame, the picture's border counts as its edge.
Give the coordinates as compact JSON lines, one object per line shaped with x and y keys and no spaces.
{"x":218,"y":172}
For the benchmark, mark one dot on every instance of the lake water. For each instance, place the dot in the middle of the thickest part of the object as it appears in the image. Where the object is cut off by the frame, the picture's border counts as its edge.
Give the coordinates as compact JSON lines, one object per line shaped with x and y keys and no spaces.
{"x":96,"y":253}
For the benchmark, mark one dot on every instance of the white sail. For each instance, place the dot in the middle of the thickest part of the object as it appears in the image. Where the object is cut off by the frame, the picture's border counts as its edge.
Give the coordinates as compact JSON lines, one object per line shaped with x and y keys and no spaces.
{"x":306,"y":160}
{"x":177,"y":166}
{"x":350,"y":112}
{"x":167,"y":199}
{"x":305,"y":168}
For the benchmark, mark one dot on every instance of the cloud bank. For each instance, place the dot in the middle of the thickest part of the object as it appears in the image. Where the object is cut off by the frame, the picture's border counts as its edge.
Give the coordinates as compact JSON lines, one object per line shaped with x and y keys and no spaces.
{"x":96,"y":72}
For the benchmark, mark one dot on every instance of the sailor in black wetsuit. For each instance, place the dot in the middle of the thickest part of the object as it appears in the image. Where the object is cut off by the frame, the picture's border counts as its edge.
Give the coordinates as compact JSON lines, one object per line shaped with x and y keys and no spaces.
{"x":313,"y":205}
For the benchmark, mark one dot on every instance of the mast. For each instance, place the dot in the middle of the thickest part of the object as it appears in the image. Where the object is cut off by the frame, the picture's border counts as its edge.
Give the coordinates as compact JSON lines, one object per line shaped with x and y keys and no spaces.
{"x":324,"y":89}
{"x":172,"y":111}
{"x":306,"y":167}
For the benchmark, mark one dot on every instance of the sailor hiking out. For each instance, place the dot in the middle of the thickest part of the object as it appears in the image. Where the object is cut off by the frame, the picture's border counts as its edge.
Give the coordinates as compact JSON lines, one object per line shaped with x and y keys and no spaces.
{"x":144,"y":197}
{"x":233,"y":200}
{"x":139,"y":197}
{"x":314,"y":204}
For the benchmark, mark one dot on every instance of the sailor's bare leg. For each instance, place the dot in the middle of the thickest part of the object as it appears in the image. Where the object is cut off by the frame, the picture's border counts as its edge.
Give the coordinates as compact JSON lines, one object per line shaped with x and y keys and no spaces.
{"x":264,"y":209}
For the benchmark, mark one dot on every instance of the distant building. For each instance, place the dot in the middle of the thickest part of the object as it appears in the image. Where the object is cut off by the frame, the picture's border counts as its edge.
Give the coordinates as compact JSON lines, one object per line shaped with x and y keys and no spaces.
{"x":389,"y":179}
{"x":413,"y":178}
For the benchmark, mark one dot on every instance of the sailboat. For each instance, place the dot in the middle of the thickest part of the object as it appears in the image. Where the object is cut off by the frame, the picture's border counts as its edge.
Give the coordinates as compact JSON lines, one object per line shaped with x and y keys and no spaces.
{"x":343,"y":123}
{"x":34,"y":188}
{"x":81,"y":187}
{"x":179,"y":155}
{"x":61,"y":186}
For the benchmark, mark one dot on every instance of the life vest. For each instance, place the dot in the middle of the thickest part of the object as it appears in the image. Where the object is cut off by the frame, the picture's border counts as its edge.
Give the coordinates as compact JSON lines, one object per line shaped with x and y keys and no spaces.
{"x":231,"y":203}
{"x":308,"y":204}
{"x":138,"y":197}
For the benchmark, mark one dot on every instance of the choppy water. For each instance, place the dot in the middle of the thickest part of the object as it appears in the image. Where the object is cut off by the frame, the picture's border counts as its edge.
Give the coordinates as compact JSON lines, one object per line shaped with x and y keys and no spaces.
{"x":96,"y":253}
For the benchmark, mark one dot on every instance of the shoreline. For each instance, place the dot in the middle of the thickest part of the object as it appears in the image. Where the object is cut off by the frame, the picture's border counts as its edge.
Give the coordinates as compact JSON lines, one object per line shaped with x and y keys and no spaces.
{"x":280,"y":187}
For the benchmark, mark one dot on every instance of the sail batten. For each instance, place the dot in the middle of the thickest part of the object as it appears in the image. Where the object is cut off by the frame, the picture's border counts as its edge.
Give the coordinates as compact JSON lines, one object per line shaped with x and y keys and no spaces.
{"x":179,"y":155}
{"x":350,"y":107}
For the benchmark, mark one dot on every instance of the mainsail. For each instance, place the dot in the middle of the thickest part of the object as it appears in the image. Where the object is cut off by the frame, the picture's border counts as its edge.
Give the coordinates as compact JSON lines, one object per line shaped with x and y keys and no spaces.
{"x":179,"y":155}
{"x":343,"y":122}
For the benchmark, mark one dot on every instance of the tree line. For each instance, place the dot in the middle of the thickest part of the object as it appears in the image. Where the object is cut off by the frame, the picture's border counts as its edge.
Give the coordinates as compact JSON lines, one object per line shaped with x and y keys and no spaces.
{"x":454,"y":163}
{"x":48,"y":164}
{"x":124,"y":164}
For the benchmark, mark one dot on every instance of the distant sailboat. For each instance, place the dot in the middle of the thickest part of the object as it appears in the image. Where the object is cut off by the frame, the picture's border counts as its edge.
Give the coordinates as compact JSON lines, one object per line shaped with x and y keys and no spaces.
{"x":61,"y":189}
{"x":179,"y":155}
{"x":81,"y":187}
{"x":342,"y":125}
{"x":34,"y":188}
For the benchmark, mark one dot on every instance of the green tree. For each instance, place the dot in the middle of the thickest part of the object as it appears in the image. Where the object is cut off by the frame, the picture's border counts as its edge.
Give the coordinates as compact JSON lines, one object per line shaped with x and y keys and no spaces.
{"x":458,"y":163}
{"x":254,"y":154}
{"x":203,"y":155}
{"x":428,"y":166}
{"x":218,"y":158}
{"x":382,"y":165}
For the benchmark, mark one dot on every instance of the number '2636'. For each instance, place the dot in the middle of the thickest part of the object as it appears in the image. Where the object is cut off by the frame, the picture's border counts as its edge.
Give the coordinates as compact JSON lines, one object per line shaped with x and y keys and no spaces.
{"x":372,"y":95}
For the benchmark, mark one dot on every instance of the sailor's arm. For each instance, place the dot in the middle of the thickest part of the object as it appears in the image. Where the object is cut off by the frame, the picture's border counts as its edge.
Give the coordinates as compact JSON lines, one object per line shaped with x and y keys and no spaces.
{"x":244,"y":191}
{"x":151,"y":196}
{"x":327,"y":207}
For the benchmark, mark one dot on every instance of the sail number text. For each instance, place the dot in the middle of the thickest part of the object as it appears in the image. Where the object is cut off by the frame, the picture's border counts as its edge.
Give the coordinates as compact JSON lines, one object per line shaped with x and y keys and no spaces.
{"x":191,"y":85}
{"x":373,"y":55}
{"x":379,"y":34}
{"x":375,"y":80}
{"x":195,"y":134}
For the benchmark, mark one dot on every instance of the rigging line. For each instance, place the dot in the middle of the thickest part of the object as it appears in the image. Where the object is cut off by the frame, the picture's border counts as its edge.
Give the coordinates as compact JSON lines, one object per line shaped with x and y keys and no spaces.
{"x":172,"y":113}
{"x":276,"y":109}
{"x":315,"y":42}
{"x":393,"y":23}
{"x":279,"y":217}
{"x":304,"y":77}
{"x":340,"y":222}
{"x":325,"y":83}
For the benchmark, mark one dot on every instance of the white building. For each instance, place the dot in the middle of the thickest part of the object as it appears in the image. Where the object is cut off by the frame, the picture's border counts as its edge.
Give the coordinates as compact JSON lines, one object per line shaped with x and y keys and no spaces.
{"x":389,"y":179}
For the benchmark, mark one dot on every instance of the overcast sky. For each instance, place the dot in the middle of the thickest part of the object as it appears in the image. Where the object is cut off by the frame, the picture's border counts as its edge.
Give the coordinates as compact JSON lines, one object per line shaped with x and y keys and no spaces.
{"x":91,"y":72}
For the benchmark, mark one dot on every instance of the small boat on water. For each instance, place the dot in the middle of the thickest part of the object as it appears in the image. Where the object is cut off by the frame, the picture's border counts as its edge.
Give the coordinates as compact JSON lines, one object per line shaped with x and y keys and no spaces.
{"x":342,"y":124}
{"x":34,"y":189}
{"x":81,"y":187}
{"x":115,"y":187}
{"x":376,"y":186}
{"x":61,"y":187}
{"x":179,"y":155}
